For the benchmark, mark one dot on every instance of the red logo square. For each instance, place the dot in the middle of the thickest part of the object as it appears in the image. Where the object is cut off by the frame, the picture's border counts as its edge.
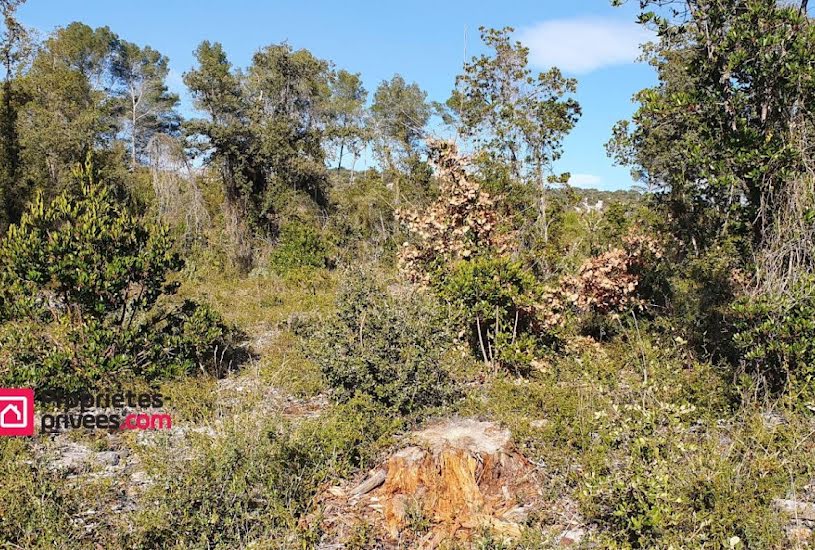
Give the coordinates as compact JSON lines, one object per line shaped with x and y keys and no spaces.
{"x":16,"y":411}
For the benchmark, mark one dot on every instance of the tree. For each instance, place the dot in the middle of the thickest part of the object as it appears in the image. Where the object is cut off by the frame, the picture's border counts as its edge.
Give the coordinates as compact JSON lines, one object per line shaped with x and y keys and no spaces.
{"x":148,"y":106}
{"x":718,"y":137}
{"x":400,"y":113}
{"x":68,"y":110}
{"x":515,"y":117}
{"x":347,"y":107}
{"x":460,"y":224}
{"x":265,"y":130}
{"x":13,"y":191}
{"x":224,"y":138}
{"x":290,"y":111}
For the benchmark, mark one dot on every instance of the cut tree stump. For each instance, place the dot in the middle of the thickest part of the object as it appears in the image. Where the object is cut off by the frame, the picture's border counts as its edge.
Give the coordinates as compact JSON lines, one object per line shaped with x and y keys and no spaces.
{"x":457,"y":477}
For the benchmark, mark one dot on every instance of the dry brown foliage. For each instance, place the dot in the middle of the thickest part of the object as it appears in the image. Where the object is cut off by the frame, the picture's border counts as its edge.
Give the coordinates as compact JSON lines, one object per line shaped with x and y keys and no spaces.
{"x":462,"y":223}
{"x":608,"y":283}
{"x":458,"y":225}
{"x":551,"y":309}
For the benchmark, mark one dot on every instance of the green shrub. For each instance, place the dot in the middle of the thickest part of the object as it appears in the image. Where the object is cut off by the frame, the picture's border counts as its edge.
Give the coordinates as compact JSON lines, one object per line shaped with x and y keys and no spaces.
{"x":40,"y":509}
{"x":497,"y":299}
{"x":251,"y":485}
{"x":701,"y":295}
{"x":35,"y":511}
{"x":388,"y":347}
{"x":189,"y":337}
{"x":300,"y":245}
{"x":364,"y":218}
{"x":670,"y":491}
{"x":83,"y":295}
{"x":346,"y":438}
{"x":776,"y":337}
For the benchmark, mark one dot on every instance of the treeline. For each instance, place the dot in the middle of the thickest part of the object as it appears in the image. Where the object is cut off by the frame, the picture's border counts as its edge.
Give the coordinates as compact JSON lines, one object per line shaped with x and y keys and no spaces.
{"x":724,"y":143}
{"x":265,"y":179}
{"x":110,"y":195}
{"x":270,"y":133}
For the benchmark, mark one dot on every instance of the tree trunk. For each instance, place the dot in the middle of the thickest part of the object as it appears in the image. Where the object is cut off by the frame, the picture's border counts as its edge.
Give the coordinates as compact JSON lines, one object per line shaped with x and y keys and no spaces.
{"x":133,"y":136}
{"x":353,"y":168}
{"x":545,"y":221}
{"x":339,"y":162}
{"x":392,"y":170}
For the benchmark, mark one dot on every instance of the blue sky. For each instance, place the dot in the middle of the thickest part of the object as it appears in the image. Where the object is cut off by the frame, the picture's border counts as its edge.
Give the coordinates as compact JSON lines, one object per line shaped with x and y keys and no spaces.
{"x":422,"y":40}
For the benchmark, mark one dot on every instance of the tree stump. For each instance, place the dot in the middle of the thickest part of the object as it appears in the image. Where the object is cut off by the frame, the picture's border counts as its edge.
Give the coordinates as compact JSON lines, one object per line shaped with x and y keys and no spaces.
{"x":463,"y":475}
{"x":456,"y":478}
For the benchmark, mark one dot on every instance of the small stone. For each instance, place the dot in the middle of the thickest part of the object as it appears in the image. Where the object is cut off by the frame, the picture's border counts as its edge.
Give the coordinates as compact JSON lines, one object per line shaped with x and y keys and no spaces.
{"x":70,"y":458}
{"x":108,"y":458}
{"x":572,"y":537}
{"x":140,"y":478}
{"x":799,"y":535}
{"x":797,"y":509}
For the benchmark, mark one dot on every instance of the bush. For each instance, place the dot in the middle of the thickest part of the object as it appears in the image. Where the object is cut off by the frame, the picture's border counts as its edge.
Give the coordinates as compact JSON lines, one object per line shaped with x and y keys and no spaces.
{"x":669,"y":493}
{"x":35,"y":509}
{"x":364,"y":217}
{"x":83,"y":287}
{"x":499,"y":302}
{"x":190,"y":337}
{"x":388,"y":347}
{"x":776,"y":337}
{"x":609,"y":283}
{"x":300,"y":245}
{"x":701,"y":297}
{"x":254,"y":485}
{"x":461,"y":223}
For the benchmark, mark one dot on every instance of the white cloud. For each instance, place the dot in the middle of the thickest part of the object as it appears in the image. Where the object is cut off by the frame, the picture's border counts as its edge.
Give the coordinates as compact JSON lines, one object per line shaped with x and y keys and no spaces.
{"x":581,"y":45}
{"x":585,"y":180}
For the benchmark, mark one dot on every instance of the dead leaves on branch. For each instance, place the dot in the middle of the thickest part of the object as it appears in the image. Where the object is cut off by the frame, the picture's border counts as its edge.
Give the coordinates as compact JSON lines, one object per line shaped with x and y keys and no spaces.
{"x":608,"y":283}
{"x":463,"y":223}
{"x":460,"y":224}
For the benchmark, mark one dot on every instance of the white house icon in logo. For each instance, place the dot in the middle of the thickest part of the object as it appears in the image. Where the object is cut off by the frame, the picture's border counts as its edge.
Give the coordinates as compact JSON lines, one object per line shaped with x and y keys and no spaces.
{"x":13,"y":412}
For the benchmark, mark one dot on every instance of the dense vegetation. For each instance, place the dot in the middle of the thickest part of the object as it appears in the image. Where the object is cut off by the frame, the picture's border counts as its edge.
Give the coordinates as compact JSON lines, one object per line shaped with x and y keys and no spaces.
{"x":653,"y":357}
